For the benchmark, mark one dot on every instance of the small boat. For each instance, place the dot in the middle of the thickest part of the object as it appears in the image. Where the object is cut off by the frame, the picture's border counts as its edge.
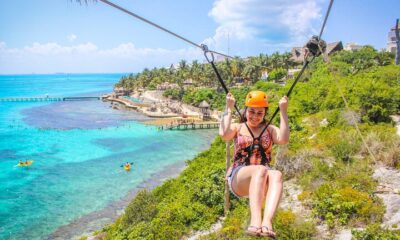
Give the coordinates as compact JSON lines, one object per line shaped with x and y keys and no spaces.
{"x":127,"y":167}
{"x":25,"y":163}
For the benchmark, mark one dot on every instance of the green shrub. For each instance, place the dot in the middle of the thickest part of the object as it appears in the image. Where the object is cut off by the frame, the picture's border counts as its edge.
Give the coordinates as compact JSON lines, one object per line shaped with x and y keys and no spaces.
{"x":141,"y":209}
{"x":289,"y":226}
{"x":375,"y":232}
{"x":341,"y":143}
{"x":340,"y":205}
{"x":277,"y":74}
{"x":173,"y":93}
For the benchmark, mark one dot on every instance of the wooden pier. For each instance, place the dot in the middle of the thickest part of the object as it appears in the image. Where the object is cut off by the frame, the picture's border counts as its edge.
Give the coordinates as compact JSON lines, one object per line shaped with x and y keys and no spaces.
{"x":190,"y":126}
{"x":126,"y":102}
{"x":47,"y":99}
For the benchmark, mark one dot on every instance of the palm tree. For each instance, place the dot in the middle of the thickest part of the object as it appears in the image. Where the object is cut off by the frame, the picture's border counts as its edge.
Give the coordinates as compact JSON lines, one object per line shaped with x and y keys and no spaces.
{"x":195,"y":71}
{"x":287,"y":60}
{"x":182,"y":73}
{"x":208,"y":76}
{"x":276,"y":60}
{"x":237,"y":67}
{"x":252,"y":72}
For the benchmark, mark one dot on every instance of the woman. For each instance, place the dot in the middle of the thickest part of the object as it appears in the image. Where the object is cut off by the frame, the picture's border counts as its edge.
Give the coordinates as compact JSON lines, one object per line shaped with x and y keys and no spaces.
{"x":250,"y":175}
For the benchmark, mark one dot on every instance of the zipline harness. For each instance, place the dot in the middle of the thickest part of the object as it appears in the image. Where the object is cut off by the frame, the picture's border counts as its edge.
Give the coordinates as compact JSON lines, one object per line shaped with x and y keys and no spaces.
{"x":256,"y":148}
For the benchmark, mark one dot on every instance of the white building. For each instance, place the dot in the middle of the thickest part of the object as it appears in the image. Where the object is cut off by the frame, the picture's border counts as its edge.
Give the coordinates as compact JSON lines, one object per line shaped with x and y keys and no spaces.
{"x":352,"y":46}
{"x":264,"y":75}
{"x":391,"y":43}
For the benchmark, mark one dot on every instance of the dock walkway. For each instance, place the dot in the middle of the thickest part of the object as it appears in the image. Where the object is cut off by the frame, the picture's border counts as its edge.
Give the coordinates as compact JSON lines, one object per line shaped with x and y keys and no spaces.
{"x":190,"y":126}
{"x":47,"y":99}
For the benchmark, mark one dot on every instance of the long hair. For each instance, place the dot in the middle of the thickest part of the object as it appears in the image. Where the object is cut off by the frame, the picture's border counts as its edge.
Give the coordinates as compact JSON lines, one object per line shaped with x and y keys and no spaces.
{"x":244,"y":119}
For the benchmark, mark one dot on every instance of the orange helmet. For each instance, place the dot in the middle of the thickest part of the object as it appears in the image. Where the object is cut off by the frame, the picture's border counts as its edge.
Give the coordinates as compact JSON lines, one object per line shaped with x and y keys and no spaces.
{"x":256,"y":99}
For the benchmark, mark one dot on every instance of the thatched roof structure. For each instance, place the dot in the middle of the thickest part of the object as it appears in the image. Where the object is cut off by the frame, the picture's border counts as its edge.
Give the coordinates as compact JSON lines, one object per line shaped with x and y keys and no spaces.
{"x":204,"y":104}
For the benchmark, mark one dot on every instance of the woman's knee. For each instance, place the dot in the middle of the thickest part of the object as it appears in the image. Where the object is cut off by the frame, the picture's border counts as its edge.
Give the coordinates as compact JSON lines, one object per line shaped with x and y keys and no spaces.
{"x":275,"y":175}
{"x":260,"y":171}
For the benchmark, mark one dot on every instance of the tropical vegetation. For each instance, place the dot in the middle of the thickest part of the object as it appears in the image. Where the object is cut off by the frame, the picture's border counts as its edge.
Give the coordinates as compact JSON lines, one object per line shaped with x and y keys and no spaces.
{"x":233,"y":71}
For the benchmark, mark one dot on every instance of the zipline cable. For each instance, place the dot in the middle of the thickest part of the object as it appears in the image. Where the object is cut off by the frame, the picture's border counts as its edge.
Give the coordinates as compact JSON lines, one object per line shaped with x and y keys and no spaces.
{"x":326,"y":19}
{"x":159,"y":27}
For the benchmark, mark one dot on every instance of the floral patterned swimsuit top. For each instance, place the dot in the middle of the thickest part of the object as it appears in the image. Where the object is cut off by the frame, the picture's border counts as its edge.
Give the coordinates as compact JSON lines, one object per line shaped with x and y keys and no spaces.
{"x":251,"y":150}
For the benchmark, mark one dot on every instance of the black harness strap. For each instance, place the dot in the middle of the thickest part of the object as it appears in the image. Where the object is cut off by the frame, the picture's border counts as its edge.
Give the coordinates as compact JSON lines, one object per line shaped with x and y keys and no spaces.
{"x":257,"y":145}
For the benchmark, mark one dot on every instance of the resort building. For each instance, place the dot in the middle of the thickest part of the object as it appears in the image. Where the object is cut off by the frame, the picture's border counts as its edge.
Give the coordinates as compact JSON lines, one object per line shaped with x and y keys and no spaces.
{"x":174,"y":67}
{"x":334,"y":47}
{"x":391,"y":42}
{"x":298,"y":54}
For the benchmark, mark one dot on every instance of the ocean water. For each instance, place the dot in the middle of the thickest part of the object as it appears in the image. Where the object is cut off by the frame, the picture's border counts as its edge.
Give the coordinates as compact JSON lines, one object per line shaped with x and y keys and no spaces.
{"x":78,"y":149}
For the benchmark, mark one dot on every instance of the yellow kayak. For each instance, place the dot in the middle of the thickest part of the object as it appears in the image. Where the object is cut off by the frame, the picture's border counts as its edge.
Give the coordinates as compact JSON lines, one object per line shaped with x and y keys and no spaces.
{"x":127,"y":167}
{"x":25,"y":164}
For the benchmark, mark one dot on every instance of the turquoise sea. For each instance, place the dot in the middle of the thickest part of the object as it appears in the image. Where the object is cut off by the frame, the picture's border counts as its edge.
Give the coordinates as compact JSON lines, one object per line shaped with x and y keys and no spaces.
{"x":78,"y":149}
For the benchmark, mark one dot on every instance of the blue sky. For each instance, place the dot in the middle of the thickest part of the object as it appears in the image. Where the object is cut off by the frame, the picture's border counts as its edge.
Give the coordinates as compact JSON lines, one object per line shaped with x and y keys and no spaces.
{"x":48,"y":36}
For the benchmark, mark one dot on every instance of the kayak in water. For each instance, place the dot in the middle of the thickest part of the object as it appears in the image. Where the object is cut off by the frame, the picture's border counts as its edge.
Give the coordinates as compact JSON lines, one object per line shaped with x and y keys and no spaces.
{"x":24,"y":163}
{"x":127,"y":166}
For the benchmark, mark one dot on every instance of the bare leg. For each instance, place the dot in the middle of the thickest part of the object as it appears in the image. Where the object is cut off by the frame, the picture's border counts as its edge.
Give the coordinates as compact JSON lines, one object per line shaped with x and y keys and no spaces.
{"x":273,"y":197}
{"x":251,"y":181}
{"x":256,"y":195}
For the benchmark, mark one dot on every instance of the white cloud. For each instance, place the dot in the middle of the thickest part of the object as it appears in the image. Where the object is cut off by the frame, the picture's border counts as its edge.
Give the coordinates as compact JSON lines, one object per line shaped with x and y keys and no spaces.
{"x":53,"y":57}
{"x":280,"y":22}
{"x":47,"y":49}
{"x":72,"y":37}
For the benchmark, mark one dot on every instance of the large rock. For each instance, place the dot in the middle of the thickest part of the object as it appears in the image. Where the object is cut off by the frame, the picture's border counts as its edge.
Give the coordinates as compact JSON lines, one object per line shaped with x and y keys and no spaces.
{"x":388,"y":191}
{"x":396,"y":120}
